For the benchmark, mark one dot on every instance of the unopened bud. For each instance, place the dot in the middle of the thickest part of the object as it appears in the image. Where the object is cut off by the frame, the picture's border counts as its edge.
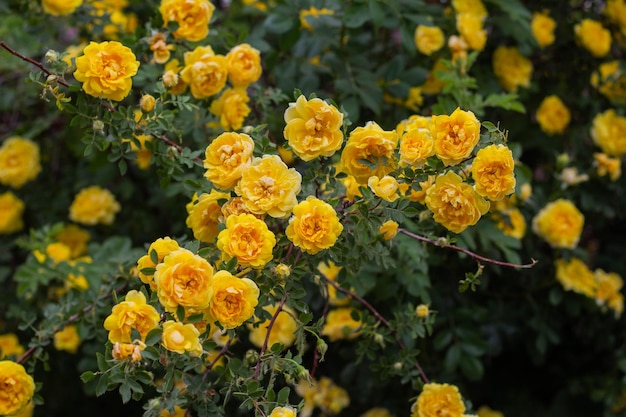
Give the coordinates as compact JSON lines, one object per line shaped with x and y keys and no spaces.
{"x":282,"y":271}
{"x":397,"y":366}
{"x":302,"y":372}
{"x":321,"y":347}
{"x":170,"y":79}
{"x":252,"y":356}
{"x":51,"y":56}
{"x":378,"y":338}
{"x":51,"y":78}
{"x":422,"y":310}
{"x":424,"y":215}
{"x":98,"y":125}
{"x":147,"y":103}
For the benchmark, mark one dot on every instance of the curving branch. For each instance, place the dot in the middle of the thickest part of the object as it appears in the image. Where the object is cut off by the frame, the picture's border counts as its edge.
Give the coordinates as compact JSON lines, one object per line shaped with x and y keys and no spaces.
{"x":257,"y":367}
{"x":34,"y":62}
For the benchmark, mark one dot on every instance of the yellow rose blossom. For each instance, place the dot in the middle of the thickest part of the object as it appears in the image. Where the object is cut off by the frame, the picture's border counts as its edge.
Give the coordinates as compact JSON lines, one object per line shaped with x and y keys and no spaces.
{"x":575,"y":276}
{"x":492,"y":171}
{"x":283,"y":329}
{"x":163,"y":246}
{"x":312,"y":13}
{"x":470,"y":27}
{"x":10,"y":346}
{"x":314,"y":226}
{"x":106,"y":70}
{"x":205,"y":72}
{"x":94,"y":205}
{"x":605,"y":165}
{"x":71,"y":53}
{"x":248,"y":239}
{"x":485,"y":411}
{"x":428,"y":39}
{"x":132,"y":313}
{"x":325,"y":394}
{"x":330,"y":271}
{"x":608,"y":131}
{"x":512,"y":69}
{"x":192,"y":16}
{"x":475,"y":7}
{"x":180,"y":338}
{"x":133,"y":350}
{"x":422,"y":311}
{"x":559,"y":223}
{"x":11,"y":210}
{"x":161,"y":51}
{"x":512,"y":223}
{"x":438,"y":400}
{"x":78,"y":280}
{"x":282,"y":271}
{"x":414,"y":122}
{"x":455,"y":204}
{"x":610,"y":81}
{"x":458,"y":47}
{"x":232,"y":299}
{"x":352,"y":187}
{"x":244,"y":65}
{"x":75,"y":238}
{"x":171,"y":78}
{"x":372,"y":144}
{"x":16,"y":388}
{"x":542,"y":27}
{"x":455,"y":135}
{"x":313,"y":128}
{"x":183,"y":279}
{"x":205,"y":214}
{"x":386,"y":187}
{"x":615,"y":10}
{"x":57,"y":251}
{"x":235,"y":205}
{"x":416,"y":146}
{"x":340,"y":325}
{"x":226,"y":157}
{"x":268,"y":186}
{"x":27,"y":411}
{"x":60,"y":7}
{"x":388,"y":229}
{"x":553,"y":116}
{"x":67,"y":339}
{"x":608,"y":286}
{"x":19,"y":162}
{"x":593,"y":37}
{"x":283,"y":412}
{"x":232,"y":108}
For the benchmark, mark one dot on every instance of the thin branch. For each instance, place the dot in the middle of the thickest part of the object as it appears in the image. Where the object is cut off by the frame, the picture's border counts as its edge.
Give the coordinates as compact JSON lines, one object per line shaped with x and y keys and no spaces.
{"x":379,"y":317}
{"x":257,"y":368}
{"x":35,"y":63}
{"x":466,"y":251}
{"x":216,"y":359}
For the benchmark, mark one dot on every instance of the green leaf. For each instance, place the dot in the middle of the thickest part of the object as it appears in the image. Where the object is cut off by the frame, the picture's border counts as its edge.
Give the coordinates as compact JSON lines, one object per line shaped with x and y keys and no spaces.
{"x":472,"y":368}
{"x":87,"y":376}
{"x":153,"y":336}
{"x":355,"y":16}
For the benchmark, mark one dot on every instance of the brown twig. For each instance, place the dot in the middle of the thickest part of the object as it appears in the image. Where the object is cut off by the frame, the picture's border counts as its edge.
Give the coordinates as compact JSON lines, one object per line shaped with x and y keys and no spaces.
{"x":379,"y":317}
{"x":466,"y":251}
{"x":257,"y":367}
{"x":34,"y":62}
{"x":216,"y":359}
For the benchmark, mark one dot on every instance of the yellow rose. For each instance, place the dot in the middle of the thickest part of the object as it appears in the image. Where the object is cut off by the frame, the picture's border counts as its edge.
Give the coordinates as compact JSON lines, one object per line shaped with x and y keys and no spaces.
{"x":183,"y":279}
{"x":388,"y":229}
{"x":512,"y":223}
{"x":232,"y":108}
{"x":105,"y":69}
{"x":455,"y":204}
{"x":428,"y":39}
{"x":414,"y":122}
{"x":438,"y":399}
{"x":313,"y":128}
{"x":575,"y":276}
{"x":340,"y":325}
{"x":553,"y":116}
{"x":433,"y":85}
{"x":492,"y":171}
{"x":416,"y":146}
{"x":314,"y":226}
{"x":386,"y":187}
{"x":192,"y":17}
{"x":11,"y":210}
{"x":268,"y":186}
{"x":161,"y":50}
{"x":17,"y":390}
{"x":235,"y":205}
{"x":226,"y":157}
{"x":232,"y":299}
{"x":311,"y":13}
{"x":163,"y":247}
{"x":559,"y":223}
{"x":470,"y":27}
{"x":60,"y":7}
{"x":475,"y":7}
{"x":74,"y":238}
{"x":180,"y":338}
{"x":372,"y":144}
{"x":57,"y":251}
{"x":610,"y":81}
{"x":205,"y":72}
{"x":248,"y":239}
{"x":171,"y":78}
{"x":19,"y":162}
{"x":455,"y":135}
{"x":325,"y":394}
{"x":93,"y":205}
{"x":615,"y":10}
{"x":132,"y":313}
{"x":606,"y":165}
{"x":244,"y":65}
{"x":133,"y":350}
{"x":422,"y":311}
{"x":593,"y":37}
{"x":608,"y":286}
{"x":512,"y":69}
{"x":608,"y":131}
{"x":10,"y":346}
{"x":205,"y":214}
{"x":283,"y":412}
{"x":283,"y":328}
{"x":542,"y":27}
{"x":67,"y":339}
